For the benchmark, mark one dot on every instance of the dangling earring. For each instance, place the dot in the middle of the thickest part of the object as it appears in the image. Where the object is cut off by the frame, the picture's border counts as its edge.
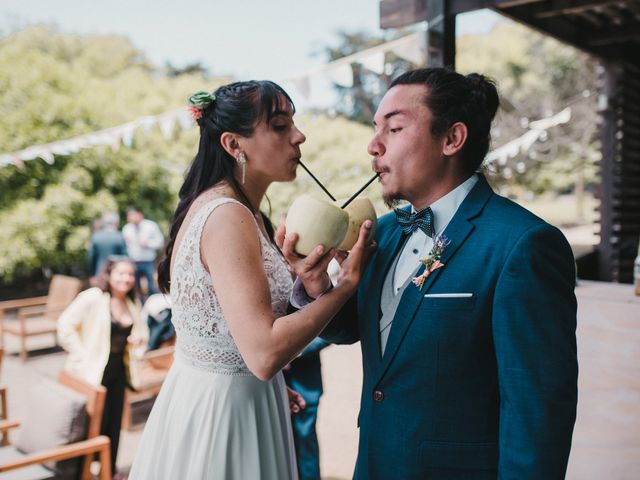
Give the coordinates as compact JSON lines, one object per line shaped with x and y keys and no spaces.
{"x":242,"y":162}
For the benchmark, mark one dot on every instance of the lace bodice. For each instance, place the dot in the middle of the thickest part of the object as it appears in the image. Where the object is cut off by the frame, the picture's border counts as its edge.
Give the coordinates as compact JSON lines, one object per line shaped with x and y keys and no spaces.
{"x":203,"y":337}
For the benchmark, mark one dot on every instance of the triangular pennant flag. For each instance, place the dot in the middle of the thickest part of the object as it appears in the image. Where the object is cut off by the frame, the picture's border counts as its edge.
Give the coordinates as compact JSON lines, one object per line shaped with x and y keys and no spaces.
{"x":127,"y":135}
{"x":47,"y":156}
{"x":147,"y":123}
{"x":117,"y":139}
{"x":29,"y":153}
{"x":562,"y":116}
{"x":185,"y":120}
{"x":373,"y":62}
{"x":341,"y":75}
{"x":303,"y":85}
{"x":412,"y":50}
{"x":167,"y":123}
{"x":61,"y":148}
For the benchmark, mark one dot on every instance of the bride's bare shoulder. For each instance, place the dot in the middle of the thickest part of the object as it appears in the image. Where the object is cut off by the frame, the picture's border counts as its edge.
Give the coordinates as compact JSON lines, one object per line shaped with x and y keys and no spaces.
{"x":207,"y":196}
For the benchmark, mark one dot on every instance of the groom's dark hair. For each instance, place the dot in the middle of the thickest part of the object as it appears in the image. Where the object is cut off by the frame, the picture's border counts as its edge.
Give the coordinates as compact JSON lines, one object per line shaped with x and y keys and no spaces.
{"x":452,"y":97}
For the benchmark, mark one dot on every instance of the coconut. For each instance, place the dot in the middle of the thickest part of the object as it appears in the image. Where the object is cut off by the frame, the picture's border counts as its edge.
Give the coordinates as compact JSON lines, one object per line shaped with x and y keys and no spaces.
{"x":317,"y":222}
{"x":359,"y":210}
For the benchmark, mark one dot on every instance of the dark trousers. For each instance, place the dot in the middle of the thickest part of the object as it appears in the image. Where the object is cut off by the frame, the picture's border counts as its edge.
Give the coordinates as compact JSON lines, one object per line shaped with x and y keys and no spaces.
{"x":146,"y":270}
{"x":115,"y":381}
{"x":306,"y":440}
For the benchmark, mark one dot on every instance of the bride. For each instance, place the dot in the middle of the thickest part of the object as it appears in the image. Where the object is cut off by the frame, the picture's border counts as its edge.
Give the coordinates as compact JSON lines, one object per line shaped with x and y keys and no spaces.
{"x":223,"y":410}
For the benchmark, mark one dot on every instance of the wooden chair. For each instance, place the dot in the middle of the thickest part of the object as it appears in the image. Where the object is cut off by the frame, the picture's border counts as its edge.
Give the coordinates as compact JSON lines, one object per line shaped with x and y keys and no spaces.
{"x":38,"y":315}
{"x":152,"y":370}
{"x":13,"y":459}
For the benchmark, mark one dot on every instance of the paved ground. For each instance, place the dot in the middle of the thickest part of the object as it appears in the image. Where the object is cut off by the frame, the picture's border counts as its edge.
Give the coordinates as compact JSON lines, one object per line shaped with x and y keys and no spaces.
{"x":607,"y":434}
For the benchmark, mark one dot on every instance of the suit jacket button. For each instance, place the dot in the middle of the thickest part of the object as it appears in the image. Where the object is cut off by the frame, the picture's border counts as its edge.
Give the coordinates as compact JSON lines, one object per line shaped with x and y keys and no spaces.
{"x":378,"y":396}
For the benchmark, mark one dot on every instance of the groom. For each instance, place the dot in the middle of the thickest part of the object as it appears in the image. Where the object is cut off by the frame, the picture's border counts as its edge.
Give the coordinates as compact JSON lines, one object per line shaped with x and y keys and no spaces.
{"x":466,"y":313}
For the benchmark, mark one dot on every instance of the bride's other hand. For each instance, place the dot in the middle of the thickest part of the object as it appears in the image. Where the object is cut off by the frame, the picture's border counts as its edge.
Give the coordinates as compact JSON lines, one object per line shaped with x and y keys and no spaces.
{"x":312,"y":269}
{"x":296,"y":402}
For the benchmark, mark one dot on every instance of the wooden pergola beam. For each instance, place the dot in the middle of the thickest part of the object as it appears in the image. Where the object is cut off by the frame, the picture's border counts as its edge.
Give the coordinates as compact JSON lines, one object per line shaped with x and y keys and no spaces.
{"x":456,"y":7}
{"x":616,"y":34}
{"x":569,"y":7}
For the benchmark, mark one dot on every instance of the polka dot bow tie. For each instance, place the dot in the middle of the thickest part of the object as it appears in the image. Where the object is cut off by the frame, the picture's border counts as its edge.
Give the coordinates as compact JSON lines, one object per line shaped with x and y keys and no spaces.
{"x":410,"y":222}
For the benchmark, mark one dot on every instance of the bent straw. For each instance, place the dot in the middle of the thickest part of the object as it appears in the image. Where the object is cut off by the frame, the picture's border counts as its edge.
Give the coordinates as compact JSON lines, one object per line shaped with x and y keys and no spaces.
{"x":317,"y":181}
{"x":359,"y":191}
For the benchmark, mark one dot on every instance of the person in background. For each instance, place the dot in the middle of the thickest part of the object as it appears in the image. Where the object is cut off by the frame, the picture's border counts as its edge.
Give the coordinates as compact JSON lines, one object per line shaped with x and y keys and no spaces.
{"x":157,"y":313}
{"x":143,"y":239}
{"x":106,"y":240}
{"x":304,"y":375}
{"x":100,"y":329}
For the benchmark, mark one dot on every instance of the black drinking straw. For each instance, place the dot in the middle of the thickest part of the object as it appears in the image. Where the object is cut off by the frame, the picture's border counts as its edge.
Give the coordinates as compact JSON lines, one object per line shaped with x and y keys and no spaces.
{"x":317,"y":181}
{"x":359,"y":191}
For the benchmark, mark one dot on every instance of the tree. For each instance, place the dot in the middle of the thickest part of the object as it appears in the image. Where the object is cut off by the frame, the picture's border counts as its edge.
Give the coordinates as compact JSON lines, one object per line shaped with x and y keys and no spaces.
{"x":538,"y":76}
{"x":359,"y":102}
{"x":51,"y":90}
{"x":55,"y":86}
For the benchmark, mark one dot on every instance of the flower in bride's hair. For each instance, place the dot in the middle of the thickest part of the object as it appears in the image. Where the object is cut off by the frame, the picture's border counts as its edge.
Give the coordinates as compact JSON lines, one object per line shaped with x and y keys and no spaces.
{"x":196,"y":113}
{"x":199,"y":101}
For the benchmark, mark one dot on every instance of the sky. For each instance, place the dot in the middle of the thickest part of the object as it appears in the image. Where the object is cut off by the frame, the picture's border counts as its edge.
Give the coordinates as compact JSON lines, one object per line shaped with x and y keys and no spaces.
{"x":258,"y":39}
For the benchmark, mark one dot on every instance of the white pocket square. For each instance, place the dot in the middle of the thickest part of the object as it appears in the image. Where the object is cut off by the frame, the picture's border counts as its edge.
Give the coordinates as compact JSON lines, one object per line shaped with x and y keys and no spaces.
{"x":448,"y":295}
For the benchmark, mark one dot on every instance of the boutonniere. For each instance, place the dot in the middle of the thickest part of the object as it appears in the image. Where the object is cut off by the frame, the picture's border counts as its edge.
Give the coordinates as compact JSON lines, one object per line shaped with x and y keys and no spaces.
{"x":432,"y":262}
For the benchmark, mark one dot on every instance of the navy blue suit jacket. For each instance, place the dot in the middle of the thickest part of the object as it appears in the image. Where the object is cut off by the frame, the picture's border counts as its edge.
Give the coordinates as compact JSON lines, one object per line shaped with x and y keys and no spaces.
{"x":477,"y":387}
{"x":305,"y":372}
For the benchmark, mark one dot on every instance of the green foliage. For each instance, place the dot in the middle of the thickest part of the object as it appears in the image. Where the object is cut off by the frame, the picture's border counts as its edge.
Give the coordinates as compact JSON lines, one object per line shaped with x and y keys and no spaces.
{"x":359,"y":102}
{"x":537,"y":76}
{"x":55,"y":86}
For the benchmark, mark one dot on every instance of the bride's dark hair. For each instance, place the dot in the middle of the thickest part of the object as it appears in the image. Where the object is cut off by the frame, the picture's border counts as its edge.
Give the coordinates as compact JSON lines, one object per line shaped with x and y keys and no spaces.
{"x":235,"y":108}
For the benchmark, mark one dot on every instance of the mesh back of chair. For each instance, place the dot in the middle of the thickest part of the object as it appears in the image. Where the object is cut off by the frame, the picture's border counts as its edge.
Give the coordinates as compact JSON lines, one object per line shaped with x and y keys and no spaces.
{"x":62,"y":291}
{"x":57,"y":416}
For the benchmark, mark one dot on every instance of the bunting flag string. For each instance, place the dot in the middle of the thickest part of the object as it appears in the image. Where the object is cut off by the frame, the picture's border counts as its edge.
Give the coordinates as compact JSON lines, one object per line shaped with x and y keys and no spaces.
{"x":115,"y":136}
{"x":410,"y":47}
{"x":339,"y":71}
{"x":523,"y":143}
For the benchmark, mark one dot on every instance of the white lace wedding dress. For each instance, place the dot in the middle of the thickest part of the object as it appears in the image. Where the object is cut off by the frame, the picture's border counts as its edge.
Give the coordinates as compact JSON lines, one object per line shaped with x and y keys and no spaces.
{"x":213,"y":419}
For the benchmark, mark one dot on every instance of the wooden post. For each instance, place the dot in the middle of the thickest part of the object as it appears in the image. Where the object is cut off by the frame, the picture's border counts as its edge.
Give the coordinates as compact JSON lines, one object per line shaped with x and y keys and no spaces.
{"x":608,"y":106}
{"x":441,"y":26}
{"x":441,"y":35}
{"x":400,"y":13}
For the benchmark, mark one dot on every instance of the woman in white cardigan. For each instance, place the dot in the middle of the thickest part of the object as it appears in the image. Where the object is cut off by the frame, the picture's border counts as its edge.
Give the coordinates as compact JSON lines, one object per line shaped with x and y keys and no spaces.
{"x":100,"y":329}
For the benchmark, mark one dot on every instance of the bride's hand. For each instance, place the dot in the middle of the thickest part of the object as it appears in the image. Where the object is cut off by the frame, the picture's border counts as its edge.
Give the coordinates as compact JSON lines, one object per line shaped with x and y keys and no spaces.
{"x":312,"y":269}
{"x":296,"y":402}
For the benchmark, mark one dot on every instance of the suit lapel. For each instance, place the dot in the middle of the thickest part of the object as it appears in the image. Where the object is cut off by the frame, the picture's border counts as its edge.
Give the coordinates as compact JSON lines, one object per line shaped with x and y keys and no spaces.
{"x":457,"y":232}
